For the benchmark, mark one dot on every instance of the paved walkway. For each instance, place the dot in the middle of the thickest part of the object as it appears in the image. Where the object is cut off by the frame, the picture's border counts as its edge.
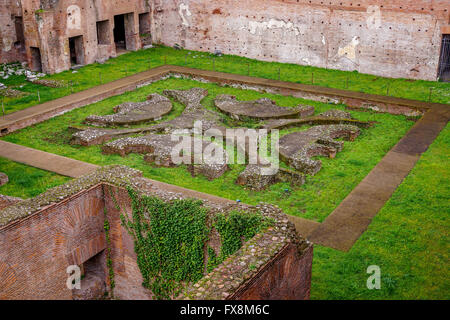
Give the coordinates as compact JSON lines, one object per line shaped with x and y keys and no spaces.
{"x":343,"y":227}
{"x":47,"y":161}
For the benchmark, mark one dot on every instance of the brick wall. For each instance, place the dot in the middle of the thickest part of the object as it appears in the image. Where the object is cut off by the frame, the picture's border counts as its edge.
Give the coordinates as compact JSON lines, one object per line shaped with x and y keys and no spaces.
{"x":286,"y":277}
{"x":10,"y":50}
{"x":398,"y":38}
{"x":36,"y":251}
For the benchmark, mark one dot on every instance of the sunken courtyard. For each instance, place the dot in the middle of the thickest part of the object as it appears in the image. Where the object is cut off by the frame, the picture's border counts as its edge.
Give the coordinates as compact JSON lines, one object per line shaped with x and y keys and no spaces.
{"x":183,"y":150}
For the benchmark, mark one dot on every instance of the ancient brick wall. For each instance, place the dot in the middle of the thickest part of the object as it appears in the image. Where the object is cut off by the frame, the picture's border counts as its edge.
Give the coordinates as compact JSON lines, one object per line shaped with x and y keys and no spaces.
{"x":50,"y":24}
{"x":11,"y":48}
{"x":127,"y":276}
{"x":36,"y":251}
{"x":399,"y":38}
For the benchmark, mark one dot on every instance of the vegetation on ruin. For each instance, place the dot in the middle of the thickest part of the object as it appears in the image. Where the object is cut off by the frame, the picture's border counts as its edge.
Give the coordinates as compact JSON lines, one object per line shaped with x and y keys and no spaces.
{"x":169,"y":240}
{"x":408,"y":240}
{"x":314,"y":200}
{"x":142,"y":60}
{"x":27,"y":182}
{"x":233,"y":228}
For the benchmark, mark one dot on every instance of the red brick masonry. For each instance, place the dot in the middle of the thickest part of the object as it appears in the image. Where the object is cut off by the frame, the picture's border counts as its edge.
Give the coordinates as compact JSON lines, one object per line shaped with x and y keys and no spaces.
{"x":36,"y":250}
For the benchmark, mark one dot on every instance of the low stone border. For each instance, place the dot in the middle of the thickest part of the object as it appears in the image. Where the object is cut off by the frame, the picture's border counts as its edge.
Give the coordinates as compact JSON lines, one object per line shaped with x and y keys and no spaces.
{"x":226,"y":280}
{"x":45,"y":111}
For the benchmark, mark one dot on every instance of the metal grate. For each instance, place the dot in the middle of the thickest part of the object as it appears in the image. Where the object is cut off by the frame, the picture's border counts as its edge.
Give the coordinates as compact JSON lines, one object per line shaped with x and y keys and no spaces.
{"x":444,"y":61}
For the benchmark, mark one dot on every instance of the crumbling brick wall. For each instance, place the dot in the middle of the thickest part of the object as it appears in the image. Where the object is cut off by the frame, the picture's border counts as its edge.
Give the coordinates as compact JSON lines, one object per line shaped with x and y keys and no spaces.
{"x":49,"y":24}
{"x":37,"y":247}
{"x":10,"y":48}
{"x":398,"y":38}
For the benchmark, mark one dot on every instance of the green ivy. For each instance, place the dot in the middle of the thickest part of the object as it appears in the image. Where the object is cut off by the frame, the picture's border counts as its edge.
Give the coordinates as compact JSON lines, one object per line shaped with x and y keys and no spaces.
{"x":213,"y":260}
{"x":235,"y":228}
{"x":169,"y":238}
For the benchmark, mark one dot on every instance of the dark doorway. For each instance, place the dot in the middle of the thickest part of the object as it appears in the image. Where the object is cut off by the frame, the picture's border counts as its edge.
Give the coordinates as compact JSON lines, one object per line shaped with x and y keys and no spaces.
{"x":119,"y":32}
{"x":93,"y":279}
{"x":36,"y":62}
{"x":444,"y":61}
{"x":76,"y":50}
{"x":20,"y":37}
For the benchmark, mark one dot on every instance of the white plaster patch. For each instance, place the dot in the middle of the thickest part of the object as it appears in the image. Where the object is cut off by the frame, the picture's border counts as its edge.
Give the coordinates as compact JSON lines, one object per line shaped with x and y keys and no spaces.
{"x":374,"y":18}
{"x":7,"y":44}
{"x":349,"y":51}
{"x":73,"y":17}
{"x":184,"y":14}
{"x":323,"y":40}
{"x":254,"y":26}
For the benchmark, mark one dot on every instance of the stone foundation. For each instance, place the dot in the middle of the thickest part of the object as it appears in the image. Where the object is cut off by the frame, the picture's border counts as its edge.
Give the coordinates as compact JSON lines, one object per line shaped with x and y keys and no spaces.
{"x":41,"y":237}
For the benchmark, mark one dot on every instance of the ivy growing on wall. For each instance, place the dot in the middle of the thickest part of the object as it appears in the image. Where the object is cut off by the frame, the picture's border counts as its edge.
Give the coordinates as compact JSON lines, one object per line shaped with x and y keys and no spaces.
{"x":108,"y":255}
{"x":169,"y":238}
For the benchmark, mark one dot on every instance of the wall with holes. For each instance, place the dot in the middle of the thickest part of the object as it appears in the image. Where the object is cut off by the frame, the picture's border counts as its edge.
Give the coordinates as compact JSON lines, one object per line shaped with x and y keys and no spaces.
{"x":400,"y":38}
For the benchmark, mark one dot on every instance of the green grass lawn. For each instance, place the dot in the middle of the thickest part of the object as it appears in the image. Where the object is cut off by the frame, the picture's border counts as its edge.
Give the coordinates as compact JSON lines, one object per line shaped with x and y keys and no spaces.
{"x":27,"y":182}
{"x":134,"y":62}
{"x":315,"y":200}
{"x":408,"y":239}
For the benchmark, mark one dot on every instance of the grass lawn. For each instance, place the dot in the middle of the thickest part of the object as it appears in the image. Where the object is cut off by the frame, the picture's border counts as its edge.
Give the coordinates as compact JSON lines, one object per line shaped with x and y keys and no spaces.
{"x":408,"y":239}
{"x":315,"y":200}
{"x":27,"y":182}
{"x":134,"y":62}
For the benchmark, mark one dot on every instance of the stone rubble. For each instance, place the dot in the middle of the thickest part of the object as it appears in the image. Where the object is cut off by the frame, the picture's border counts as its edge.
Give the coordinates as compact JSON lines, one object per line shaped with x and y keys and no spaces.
{"x":297,"y":148}
{"x":3,"y":179}
{"x":130,"y":113}
{"x":259,"y":109}
{"x":254,"y":178}
{"x":158,"y":149}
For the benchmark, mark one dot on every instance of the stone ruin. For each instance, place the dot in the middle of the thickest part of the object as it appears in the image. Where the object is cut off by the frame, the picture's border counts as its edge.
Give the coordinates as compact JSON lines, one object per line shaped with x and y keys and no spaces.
{"x":260,"y":109}
{"x":158,"y":149}
{"x":254,"y":178}
{"x":66,"y":225}
{"x":131,"y":113}
{"x":297,"y":148}
{"x":7,"y":201}
{"x":3,"y":179}
{"x":155,"y":141}
{"x":193,"y":111}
